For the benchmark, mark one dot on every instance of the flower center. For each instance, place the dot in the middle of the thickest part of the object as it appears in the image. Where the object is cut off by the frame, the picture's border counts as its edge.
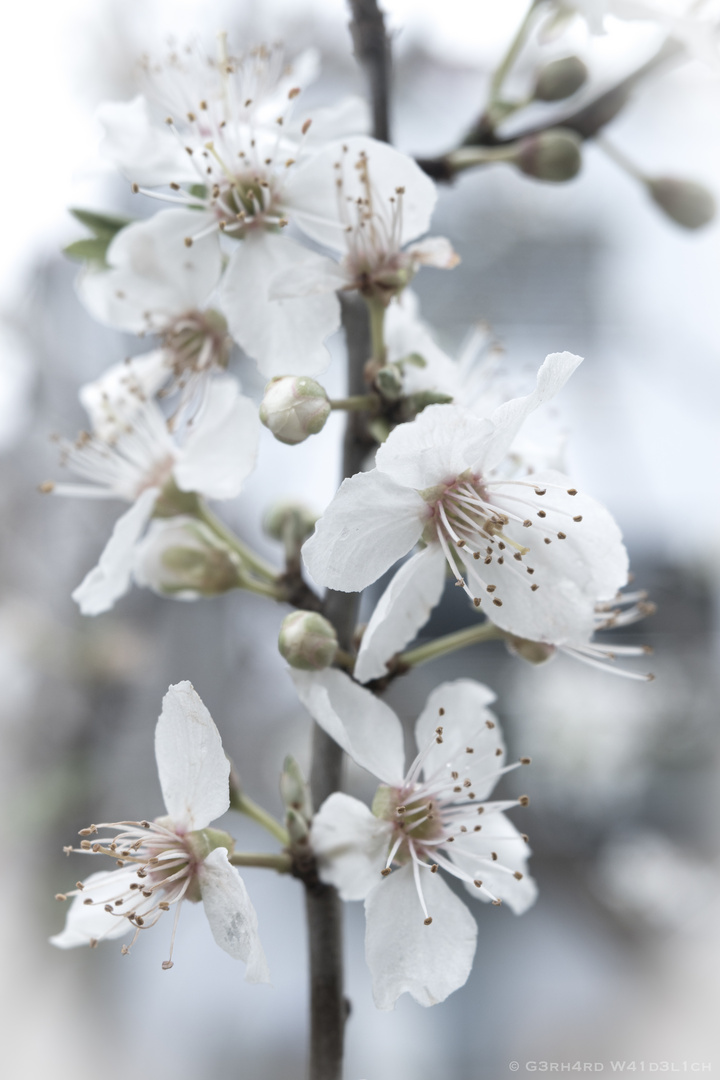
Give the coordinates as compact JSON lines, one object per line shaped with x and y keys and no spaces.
{"x":197,"y":341}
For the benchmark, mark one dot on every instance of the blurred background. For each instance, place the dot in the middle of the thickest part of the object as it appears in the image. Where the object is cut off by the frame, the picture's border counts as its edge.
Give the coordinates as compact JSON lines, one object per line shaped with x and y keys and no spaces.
{"x":619,"y":958}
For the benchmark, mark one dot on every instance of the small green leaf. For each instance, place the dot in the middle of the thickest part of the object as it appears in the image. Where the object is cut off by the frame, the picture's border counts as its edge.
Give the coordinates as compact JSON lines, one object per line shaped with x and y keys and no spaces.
{"x":91,"y":250}
{"x":100,"y":224}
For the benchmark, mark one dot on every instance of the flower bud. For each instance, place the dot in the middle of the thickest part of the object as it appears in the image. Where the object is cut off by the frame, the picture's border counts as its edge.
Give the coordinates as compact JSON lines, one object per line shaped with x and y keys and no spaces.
{"x":297,"y":827}
{"x":182,"y":558}
{"x":552,"y":155}
{"x":560,"y":79}
{"x":685,"y":201}
{"x":389,"y":381}
{"x":294,"y":789}
{"x":289,"y":519}
{"x":294,"y":407}
{"x":307,"y":641}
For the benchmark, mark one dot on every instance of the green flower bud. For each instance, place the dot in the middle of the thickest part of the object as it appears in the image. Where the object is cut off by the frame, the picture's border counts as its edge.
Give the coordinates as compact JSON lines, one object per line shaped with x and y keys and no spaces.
{"x":297,"y":827}
{"x":289,"y":519}
{"x":307,"y":641}
{"x":552,"y":155}
{"x":560,"y":79}
{"x":294,"y":407}
{"x":294,"y":789}
{"x":389,"y":382}
{"x":182,"y":558}
{"x":684,"y":201}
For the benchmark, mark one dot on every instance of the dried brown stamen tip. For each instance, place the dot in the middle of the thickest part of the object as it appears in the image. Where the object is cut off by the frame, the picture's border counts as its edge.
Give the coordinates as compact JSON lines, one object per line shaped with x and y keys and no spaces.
{"x":434,"y":868}
{"x":578,"y":518}
{"x":572,"y":491}
{"x":490,"y":724}
{"x":60,"y":896}
{"x":527,"y":523}
{"x":477,"y":883}
{"x":497,"y":903}
{"x":525,"y":760}
{"x":541,"y":514}
{"x":497,"y":603}
{"x":428,"y":920}
{"x":518,"y":876}
{"x":561,"y":536}
{"x":386,"y":871}
{"x":166,"y":965}
{"x":46,"y":487}
{"x":134,"y":188}
{"x":524,"y":800}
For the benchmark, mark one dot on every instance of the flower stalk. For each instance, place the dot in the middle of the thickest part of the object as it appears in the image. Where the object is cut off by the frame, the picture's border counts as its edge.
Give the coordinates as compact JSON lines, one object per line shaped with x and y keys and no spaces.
{"x":459,"y":639}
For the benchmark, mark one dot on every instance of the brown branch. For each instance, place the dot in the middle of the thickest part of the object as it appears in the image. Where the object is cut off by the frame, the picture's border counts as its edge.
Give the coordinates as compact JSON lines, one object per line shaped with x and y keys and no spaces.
{"x":372,"y":51}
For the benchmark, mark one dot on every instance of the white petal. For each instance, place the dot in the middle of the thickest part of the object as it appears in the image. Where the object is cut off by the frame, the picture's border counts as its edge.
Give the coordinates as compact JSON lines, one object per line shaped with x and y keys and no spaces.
{"x":366,"y":728}
{"x":370,"y":524}
{"x":402,"y":609}
{"x":554,"y":372}
{"x":311,"y":193}
{"x":220,"y":450}
{"x":110,"y":579}
{"x":434,"y":251}
{"x":319,"y":275}
{"x":405,"y":333}
{"x":193,"y":770}
{"x":351,"y":116}
{"x":351,"y":845}
{"x":435,"y":448}
{"x":111,"y":400}
{"x":500,"y":836}
{"x":90,"y":922}
{"x":148,"y":154}
{"x":285,"y":337}
{"x":153,"y":275}
{"x":404,"y":955}
{"x":231,"y":915}
{"x":465,"y":724}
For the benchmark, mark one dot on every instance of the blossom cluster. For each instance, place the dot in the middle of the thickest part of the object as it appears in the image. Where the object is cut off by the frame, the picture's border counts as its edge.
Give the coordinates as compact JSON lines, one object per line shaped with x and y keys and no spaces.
{"x":267,"y":214}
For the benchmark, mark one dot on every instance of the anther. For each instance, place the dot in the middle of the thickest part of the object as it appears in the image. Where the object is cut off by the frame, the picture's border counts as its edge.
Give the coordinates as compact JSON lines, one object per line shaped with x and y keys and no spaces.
{"x":87,"y":902}
{"x":490,"y":724}
{"x":109,"y":908}
{"x":441,"y":712}
{"x":188,"y":241}
{"x":547,"y":540}
{"x":60,"y":896}
{"x":454,"y":775}
{"x":428,"y":920}
{"x":166,"y":965}
{"x":306,"y":127}
{"x":496,"y":903}
{"x":491,"y":588}
{"x":524,"y":800}
{"x":518,"y":876}
{"x":530,"y":569}
{"x":561,"y":536}
{"x":477,"y":828}
{"x":527,"y":523}
{"x":525,"y":760}
{"x":467,"y":783}
{"x":469,"y":749}
{"x":476,"y":554}
{"x":134,"y":188}
{"x":401,"y":809}
{"x":89,"y":831}
{"x":164,"y":906}
{"x":477,"y":883}
{"x":494,"y":856}
{"x":93,"y":942}
{"x":517,"y":556}
{"x":79,"y":886}
{"x":386,"y":871}
{"x":572,"y":491}
{"x":139,"y":921}
{"x":497,"y":603}
{"x":293,"y":93}
{"x":85,"y":845}
{"x":481,"y":809}
{"x":578,"y":518}
{"x":498,"y":752}
{"x":476,"y":601}
{"x":540,"y":491}
{"x":434,"y":868}
{"x":541,"y":514}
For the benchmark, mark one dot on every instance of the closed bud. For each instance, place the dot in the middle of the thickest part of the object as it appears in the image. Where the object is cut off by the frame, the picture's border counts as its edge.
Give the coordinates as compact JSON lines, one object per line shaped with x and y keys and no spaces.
{"x":389,"y":381}
{"x":560,"y":79}
{"x":294,"y":407}
{"x":552,"y":155}
{"x":297,"y":827}
{"x":307,"y":641}
{"x":535,"y":652}
{"x":294,"y":789}
{"x":289,"y":519}
{"x":685,"y":201}
{"x":182,"y":558}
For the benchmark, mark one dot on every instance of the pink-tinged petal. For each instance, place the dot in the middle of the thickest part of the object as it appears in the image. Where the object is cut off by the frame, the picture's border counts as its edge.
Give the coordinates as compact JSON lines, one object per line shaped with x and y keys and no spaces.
{"x":351,"y":116}
{"x":435,"y":448}
{"x":434,"y":251}
{"x":401,"y":611}
{"x":366,"y":728}
{"x":90,"y":922}
{"x":509,"y":417}
{"x":113,"y":399}
{"x":110,"y":579}
{"x":220,"y":450}
{"x":351,"y":845}
{"x":193,"y":770}
{"x":473,"y":853}
{"x":404,"y":955}
{"x":312,"y":199}
{"x":146,"y":153}
{"x":285,"y":337}
{"x":232,"y":917}
{"x":464,"y":720}
{"x":370,"y":524}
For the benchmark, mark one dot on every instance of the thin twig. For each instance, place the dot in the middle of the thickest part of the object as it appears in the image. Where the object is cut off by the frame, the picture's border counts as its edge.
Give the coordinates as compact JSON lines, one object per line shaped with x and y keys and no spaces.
{"x":372,"y":51}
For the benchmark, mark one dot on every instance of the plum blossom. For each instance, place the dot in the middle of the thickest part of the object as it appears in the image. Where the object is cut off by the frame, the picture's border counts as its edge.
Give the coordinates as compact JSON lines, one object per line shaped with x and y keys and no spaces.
{"x":227,"y":150}
{"x":175,"y":857}
{"x":527,"y":546}
{"x":365,"y":201}
{"x":149,"y":467}
{"x":420,"y":937}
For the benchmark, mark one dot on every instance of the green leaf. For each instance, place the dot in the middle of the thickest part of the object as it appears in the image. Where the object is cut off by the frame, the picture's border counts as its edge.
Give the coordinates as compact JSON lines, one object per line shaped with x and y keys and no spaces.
{"x":100,"y":224}
{"x":91,"y":250}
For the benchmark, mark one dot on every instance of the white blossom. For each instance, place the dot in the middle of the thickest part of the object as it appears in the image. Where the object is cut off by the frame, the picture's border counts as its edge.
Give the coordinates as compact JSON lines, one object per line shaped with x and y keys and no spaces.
{"x":535,"y":553}
{"x":420,"y":937}
{"x":227,"y":150}
{"x":174,"y":858}
{"x":365,"y":201}
{"x":145,"y":461}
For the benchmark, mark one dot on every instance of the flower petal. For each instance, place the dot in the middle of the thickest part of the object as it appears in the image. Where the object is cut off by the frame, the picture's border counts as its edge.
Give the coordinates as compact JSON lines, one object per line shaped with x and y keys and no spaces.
{"x":111,"y":400}
{"x":110,"y":579}
{"x":193,"y":770}
{"x":404,"y":955}
{"x":366,"y":728}
{"x":370,"y":524}
{"x":402,"y":609}
{"x":464,"y":721}
{"x":221,"y":447}
{"x":90,"y":922}
{"x":319,"y":275}
{"x":509,"y":417}
{"x":473,"y":854}
{"x":147,"y":154}
{"x":232,"y":917}
{"x":312,"y":198}
{"x":435,"y":448}
{"x":285,"y":337}
{"x":351,"y":116}
{"x":351,"y":845}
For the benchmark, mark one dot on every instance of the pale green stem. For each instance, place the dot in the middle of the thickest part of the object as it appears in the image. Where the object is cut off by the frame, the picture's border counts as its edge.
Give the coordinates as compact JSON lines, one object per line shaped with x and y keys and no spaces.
{"x":467,"y":157}
{"x":248,"y":556}
{"x":356,"y":403}
{"x":514,"y":49}
{"x":460,"y":639}
{"x":281,"y":863}
{"x":620,"y":159}
{"x":377,"y":329}
{"x":344,"y":660}
{"x":245,"y":805}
